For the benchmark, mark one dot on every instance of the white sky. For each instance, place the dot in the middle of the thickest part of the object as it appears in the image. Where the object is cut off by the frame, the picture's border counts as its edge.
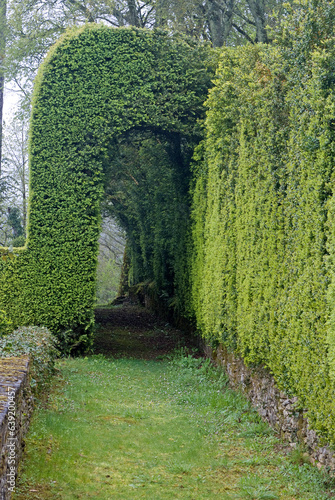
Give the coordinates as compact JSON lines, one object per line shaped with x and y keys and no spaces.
{"x":10,"y":102}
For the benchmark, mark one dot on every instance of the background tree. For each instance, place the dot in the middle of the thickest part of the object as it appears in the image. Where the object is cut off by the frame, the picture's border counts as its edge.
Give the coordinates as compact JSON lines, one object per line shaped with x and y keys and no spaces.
{"x":223,"y":22}
{"x":110,"y":258}
{"x":112,"y":240}
{"x":5,"y":230}
{"x":15,"y":168}
{"x":3,"y":9}
{"x":16,"y":161}
{"x":34,"y":25}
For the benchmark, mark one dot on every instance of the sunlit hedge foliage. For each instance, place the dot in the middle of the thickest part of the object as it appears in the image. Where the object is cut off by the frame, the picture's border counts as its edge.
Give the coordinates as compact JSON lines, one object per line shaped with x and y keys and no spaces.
{"x":263,"y":211}
{"x":95,"y":85}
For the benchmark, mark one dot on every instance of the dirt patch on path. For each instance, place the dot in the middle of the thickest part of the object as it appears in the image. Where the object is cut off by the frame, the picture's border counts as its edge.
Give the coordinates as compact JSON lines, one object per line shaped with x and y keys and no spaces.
{"x":131,"y":331}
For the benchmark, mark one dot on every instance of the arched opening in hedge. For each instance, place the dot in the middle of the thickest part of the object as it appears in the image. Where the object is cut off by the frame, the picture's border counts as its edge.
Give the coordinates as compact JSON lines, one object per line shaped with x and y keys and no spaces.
{"x":106,"y":101}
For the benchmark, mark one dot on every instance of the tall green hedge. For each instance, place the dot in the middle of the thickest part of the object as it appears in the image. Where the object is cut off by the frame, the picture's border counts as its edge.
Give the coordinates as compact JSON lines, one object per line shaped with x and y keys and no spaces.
{"x":96,"y":86}
{"x":117,"y":115}
{"x":263,"y":212}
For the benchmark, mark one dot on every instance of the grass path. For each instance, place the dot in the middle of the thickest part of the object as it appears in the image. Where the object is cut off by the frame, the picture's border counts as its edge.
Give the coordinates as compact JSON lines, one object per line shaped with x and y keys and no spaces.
{"x":152,"y":426}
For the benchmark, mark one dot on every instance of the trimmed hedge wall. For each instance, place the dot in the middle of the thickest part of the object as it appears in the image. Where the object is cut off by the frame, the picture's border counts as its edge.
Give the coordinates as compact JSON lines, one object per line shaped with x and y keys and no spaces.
{"x":95,"y":85}
{"x":263,"y":214}
{"x":121,"y":110}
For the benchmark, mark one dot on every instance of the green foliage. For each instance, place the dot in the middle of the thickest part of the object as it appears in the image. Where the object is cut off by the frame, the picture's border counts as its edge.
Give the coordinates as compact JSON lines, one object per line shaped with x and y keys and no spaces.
{"x":263,"y":211}
{"x":14,"y":220}
{"x":108,"y":279}
{"x":40,"y":345}
{"x":19,"y":241}
{"x":147,"y":192}
{"x":96,"y":86}
{"x":5,"y":324}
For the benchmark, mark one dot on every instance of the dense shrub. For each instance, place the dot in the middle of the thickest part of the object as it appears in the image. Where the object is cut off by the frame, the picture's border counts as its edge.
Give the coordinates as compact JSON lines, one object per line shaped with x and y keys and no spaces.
{"x":5,"y":324}
{"x":41,"y":347}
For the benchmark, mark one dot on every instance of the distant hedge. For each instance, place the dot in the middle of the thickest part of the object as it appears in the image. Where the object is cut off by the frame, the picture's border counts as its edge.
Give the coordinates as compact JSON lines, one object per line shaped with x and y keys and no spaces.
{"x":96,"y":84}
{"x":264,"y":213}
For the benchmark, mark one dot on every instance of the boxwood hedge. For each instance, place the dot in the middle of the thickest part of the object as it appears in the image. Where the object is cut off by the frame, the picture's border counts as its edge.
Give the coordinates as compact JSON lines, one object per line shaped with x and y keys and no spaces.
{"x":263,"y":214}
{"x":96,"y":84}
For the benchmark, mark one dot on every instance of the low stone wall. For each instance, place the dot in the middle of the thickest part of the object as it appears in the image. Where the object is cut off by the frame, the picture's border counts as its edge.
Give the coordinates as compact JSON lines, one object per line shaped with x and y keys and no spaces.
{"x":274,"y":406}
{"x":16,"y":406}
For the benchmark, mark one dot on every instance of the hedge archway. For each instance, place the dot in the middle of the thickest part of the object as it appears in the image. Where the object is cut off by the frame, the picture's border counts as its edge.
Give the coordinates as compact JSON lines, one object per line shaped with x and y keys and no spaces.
{"x":96,"y":84}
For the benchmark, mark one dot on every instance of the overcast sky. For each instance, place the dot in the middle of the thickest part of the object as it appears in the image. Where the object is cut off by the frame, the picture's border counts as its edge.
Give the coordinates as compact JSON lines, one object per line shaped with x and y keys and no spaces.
{"x":10,"y":102}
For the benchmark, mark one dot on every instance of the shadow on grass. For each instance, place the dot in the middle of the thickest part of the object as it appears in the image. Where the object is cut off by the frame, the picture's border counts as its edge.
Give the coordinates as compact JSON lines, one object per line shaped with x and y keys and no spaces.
{"x":133,"y":332}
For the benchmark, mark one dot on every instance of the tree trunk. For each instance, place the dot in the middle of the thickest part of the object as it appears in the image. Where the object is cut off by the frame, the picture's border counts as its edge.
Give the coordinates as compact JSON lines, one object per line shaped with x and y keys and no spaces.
{"x":220,"y":19}
{"x":3,"y":11}
{"x":228,"y":19}
{"x":257,"y":9}
{"x":215,"y":23}
{"x":132,"y":13}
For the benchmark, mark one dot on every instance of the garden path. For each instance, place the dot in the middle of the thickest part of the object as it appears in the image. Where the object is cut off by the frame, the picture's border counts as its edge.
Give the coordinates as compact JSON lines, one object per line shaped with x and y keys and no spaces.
{"x":143,"y":419}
